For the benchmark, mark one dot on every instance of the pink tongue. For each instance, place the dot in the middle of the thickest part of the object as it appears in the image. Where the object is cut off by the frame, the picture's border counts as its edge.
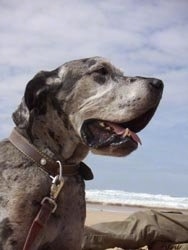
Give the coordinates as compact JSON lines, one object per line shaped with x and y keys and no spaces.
{"x":122,"y":131}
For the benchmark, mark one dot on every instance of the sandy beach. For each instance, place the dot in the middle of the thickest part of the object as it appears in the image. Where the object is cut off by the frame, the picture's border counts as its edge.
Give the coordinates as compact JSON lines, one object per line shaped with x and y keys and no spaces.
{"x":97,"y":213}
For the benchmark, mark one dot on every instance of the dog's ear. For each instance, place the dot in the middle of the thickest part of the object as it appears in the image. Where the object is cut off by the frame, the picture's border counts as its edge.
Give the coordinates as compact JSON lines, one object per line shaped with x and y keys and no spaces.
{"x":34,"y":100}
{"x":36,"y":92}
{"x":22,"y":115}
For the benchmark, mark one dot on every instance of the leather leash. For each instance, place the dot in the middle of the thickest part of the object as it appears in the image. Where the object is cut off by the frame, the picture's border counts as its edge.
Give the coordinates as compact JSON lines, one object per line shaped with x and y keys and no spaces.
{"x":56,"y":171}
{"x":48,"y":207}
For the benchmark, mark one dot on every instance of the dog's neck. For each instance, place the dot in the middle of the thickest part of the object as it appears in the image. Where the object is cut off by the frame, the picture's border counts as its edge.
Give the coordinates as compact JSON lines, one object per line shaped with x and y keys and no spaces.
{"x":51,"y":135}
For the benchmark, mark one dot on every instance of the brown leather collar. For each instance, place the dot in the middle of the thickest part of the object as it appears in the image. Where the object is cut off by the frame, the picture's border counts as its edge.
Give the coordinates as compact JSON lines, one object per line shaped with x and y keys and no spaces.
{"x":42,"y":160}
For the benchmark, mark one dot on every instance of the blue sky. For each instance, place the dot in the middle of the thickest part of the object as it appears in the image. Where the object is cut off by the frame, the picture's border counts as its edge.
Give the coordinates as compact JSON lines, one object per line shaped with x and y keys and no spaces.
{"x":147,"y":38}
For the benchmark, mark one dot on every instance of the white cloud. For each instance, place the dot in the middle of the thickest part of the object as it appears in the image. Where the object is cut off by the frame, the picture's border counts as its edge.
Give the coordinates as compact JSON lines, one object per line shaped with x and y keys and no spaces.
{"x":172,"y":40}
{"x":147,"y":38}
{"x":144,"y":39}
{"x":176,"y":90}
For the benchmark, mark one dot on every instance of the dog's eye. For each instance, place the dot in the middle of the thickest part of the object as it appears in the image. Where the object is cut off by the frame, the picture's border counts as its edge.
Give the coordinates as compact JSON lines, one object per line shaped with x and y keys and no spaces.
{"x":103,"y":71}
{"x":99,"y":75}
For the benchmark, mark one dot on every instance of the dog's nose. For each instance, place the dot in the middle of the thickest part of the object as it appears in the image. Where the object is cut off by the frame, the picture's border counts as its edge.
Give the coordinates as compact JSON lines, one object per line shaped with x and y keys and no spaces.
{"x":156,"y":83}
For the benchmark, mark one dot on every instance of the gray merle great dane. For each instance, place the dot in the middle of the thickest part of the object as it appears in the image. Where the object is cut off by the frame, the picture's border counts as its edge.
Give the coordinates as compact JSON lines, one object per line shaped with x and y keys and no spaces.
{"x":83,"y":105}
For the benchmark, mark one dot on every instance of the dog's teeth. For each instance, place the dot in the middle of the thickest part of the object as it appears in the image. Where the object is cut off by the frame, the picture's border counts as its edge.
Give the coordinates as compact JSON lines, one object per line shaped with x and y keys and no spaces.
{"x":102,"y":124}
{"x":108,"y":128}
{"x":126,"y":133}
{"x":133,"y":135}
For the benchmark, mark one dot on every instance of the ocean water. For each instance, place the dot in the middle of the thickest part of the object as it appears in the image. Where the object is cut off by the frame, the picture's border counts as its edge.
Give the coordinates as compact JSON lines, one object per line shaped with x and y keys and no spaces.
{"x":118,"y":197}
{"x":140,"y":172}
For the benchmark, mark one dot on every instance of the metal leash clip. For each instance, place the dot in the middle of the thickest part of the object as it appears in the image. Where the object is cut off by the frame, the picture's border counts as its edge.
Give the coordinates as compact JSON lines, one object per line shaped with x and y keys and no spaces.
{"x":57,"y":183}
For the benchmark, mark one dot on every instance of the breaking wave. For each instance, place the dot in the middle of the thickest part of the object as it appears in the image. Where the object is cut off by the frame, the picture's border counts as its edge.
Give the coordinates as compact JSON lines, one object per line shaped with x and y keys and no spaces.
{"x":117,"y":197}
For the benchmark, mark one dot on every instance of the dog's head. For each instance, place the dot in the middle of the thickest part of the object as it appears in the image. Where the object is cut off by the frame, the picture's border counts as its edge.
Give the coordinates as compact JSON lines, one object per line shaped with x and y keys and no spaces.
{"x":103,"y":107}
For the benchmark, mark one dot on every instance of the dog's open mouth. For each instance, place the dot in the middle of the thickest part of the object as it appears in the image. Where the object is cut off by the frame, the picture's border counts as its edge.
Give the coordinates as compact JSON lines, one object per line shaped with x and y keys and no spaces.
{"x":100,"y":133}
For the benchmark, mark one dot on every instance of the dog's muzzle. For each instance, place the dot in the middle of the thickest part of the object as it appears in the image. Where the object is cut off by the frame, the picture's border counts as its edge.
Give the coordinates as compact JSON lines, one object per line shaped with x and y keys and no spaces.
{"x":99,"y":133}
{"x":121,"y":138}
